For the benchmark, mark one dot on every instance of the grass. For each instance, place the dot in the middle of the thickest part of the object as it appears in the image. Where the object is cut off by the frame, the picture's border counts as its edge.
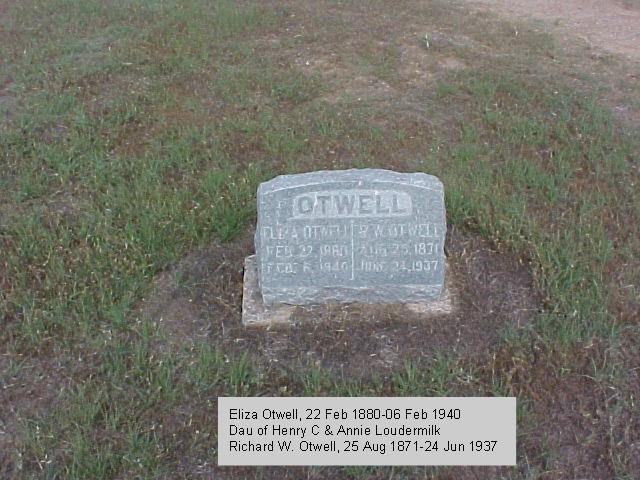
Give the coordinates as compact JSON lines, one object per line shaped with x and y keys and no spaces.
{"x":139,"y":131}
{"x":433,"y":379}
{"x":528,"y":161}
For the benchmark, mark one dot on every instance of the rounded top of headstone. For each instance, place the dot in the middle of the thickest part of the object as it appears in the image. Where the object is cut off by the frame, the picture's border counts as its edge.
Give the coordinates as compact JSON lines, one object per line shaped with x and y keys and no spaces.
{"x":416,"y":179}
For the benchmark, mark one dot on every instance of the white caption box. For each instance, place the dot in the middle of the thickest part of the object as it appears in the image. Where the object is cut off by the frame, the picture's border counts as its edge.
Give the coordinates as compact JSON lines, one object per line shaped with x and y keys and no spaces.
{"x":367,"y":431}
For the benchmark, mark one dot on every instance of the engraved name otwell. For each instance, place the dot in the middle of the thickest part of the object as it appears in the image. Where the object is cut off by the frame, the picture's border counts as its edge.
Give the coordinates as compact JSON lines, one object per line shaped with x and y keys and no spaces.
{"x":352,"y":203}
{"x":351,"y":236}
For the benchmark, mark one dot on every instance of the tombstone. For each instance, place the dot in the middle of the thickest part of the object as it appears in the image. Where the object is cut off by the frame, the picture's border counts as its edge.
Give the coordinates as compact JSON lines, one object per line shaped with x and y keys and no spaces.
{"x":366,"y":236}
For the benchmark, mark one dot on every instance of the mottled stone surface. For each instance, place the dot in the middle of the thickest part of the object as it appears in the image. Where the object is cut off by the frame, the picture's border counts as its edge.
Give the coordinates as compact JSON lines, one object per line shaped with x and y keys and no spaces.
{"x":370,"y":236}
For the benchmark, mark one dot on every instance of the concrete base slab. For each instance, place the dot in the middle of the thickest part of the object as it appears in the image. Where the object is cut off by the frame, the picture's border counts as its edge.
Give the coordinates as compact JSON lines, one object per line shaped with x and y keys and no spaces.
{"x":256,"y":313}
{"x":441,"y":306}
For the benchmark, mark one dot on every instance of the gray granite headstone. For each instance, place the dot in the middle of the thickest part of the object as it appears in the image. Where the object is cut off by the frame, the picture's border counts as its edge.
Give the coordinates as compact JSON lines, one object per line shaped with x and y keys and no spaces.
{"x":370,"y":236}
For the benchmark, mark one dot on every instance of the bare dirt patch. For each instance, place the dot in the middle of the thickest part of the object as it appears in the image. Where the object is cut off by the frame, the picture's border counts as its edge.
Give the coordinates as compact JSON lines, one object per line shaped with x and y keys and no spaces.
{"x":364,"y":56}
{"x":610,"y":26}
{"x":28,"y":388}
{"x":393,"y":59}
{"x":200,"y":298}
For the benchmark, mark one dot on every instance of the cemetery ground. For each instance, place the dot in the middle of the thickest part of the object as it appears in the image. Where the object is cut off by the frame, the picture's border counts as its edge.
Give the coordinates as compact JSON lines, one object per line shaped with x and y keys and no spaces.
{"x":132,"y":139}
